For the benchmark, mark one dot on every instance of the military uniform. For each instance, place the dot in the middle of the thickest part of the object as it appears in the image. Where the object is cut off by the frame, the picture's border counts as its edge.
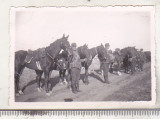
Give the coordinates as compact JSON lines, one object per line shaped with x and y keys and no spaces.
{"x":75,"y":68}
{"x":105,"y":63}
{"x":141,"y":59}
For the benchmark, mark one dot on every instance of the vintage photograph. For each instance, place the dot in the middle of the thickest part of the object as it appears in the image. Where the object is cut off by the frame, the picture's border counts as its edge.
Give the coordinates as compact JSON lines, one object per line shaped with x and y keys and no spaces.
{"x":82,"y":54}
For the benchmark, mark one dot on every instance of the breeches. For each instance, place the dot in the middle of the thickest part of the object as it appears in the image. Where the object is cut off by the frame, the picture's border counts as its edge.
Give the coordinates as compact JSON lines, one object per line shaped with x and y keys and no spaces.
{"x":75,"y":76}
{"x":105,"y":68}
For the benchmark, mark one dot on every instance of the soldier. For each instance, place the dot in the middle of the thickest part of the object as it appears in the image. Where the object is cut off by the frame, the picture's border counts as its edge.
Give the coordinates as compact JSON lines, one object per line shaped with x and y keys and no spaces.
{"x":141,"y":60}
{"x":75,"y":68}
{"x":107,"y":46}
{"x":105,"y":62}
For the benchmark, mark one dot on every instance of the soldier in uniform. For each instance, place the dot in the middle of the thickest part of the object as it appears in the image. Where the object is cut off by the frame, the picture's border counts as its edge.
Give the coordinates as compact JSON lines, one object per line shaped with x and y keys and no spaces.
{"x":105,"y":62}
{"x":107,"y":46}
{"x":142,"y":58}
{"x":75,"y":68}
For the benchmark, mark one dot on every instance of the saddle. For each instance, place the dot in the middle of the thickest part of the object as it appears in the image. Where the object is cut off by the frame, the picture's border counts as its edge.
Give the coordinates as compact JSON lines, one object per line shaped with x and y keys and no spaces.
{"x":37,"y":54}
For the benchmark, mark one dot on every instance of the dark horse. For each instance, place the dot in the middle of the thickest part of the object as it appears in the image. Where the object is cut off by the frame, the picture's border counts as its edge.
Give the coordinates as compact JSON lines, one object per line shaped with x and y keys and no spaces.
{"x":87,"y":54}
{"x":104,"y":60}
{"x":45,"y":62}
{"x":62,"y":66}
{"x":129,"y":59}
{"x":117,"y":60}
{"x":20,"y":57}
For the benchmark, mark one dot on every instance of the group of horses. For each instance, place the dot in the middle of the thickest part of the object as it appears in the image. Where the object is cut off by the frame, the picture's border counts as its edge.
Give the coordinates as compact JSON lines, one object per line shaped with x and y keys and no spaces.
{"x":44,"y":60}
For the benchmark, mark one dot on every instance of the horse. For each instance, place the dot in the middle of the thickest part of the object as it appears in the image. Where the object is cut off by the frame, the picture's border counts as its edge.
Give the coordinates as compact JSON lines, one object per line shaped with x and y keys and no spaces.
{"x":62,"y":66}
{"x":148,"y":56}
{"x":87,"y":54}
{"x":116,"y":61}
{"x":141,"y":59}
{"x":46,"y":62}
{"x":104,"y":60}
{"x":129,"y":59}
{"x":19,"y":64}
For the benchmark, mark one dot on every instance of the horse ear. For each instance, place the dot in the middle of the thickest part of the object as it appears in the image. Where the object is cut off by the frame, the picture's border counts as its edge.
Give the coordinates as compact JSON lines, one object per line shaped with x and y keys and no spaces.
{"x":63,"y":35}
{"x":67,"y":37}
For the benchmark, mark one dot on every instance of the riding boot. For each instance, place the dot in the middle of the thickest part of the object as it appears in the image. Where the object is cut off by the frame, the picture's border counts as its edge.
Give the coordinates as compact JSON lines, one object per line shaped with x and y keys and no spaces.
{"x":73,"y":86}
{"x":77,"y":87}
{"x":74,"y":89}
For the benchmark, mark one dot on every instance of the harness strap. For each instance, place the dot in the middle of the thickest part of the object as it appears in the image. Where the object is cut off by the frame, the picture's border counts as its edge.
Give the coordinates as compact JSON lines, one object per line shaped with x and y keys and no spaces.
{"x":50,"y":56}
{"x":38,"y":65}
{"x":29,"y":60}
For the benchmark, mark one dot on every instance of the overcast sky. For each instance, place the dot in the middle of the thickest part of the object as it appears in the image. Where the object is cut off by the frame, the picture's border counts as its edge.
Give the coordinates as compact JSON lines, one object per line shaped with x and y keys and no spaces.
{"x":38,"y":27}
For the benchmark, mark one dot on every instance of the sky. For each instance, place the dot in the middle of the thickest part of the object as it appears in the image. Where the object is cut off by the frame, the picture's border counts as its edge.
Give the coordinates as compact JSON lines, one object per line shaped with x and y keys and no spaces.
{"x":38,"y":27}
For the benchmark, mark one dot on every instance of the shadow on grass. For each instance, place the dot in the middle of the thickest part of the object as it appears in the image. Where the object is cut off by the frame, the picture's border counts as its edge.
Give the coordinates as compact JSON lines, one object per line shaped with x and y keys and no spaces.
{"x":52,"y":83}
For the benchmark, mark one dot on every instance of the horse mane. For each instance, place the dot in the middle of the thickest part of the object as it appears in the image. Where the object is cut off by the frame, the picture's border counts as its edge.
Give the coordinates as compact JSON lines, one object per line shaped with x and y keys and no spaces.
{"x":54,"y":44}
{"x":53,"y":47}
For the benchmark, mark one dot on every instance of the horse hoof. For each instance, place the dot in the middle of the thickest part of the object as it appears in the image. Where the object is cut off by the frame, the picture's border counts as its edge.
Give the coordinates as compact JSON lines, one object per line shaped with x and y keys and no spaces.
{"x":119,"y":74}
{"x":17,"y":94}
{"x":20,"y":92}
{"x":65,"y":82}
{"x":69,"y":88}
{"x":48,"y":94}
{"x":79,"y":91}
{"x":75,"y":92}
{"x":86,"y":83}
{"x":107,"y":82}
{"x":39,"y":89}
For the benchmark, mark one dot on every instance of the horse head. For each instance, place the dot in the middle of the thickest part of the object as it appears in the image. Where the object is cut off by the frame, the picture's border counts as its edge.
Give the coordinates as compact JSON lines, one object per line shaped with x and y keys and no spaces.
{"x":83,"y":51}
{"x":65,"y":45}
{"x":118,"y":51}
{"x":101,"y":51}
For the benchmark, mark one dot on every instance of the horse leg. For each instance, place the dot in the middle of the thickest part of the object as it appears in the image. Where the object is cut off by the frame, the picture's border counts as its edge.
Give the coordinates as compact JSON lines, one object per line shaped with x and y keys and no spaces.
{"x":101,"y":68}
{"x":86,"y":76}
{"x":46,"y":75}
{"x":77,"y":80}
{"x":60,"y":76}
{"x":141,"y":65}
{"x":17,"y":84}
{"x":69,"y":78}
{"x":17,"y":78}
{"x":132,"y":68}
{"x":38,"y":78}
{"x":64,"y":79}
{"x":118,"y":69}
{"x":111,"y":67}
{"x":73,"y":81}
{"x":105,"y":72}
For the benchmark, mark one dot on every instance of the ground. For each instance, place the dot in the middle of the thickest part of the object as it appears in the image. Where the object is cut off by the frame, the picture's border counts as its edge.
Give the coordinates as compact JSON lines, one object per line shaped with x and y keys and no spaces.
{"x":127,"y":87}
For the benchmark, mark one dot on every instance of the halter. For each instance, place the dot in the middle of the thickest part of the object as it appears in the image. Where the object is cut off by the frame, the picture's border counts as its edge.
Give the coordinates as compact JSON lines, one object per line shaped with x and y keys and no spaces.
{"x":50,"y":56}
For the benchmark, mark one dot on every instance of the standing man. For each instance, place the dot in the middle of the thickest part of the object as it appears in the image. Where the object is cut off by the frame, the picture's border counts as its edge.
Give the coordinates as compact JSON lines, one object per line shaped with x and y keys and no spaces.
{"x":104,"y":63}
{"x":75,"y":68}
{"x":107,"y":46}
{"x":142,"y":59}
